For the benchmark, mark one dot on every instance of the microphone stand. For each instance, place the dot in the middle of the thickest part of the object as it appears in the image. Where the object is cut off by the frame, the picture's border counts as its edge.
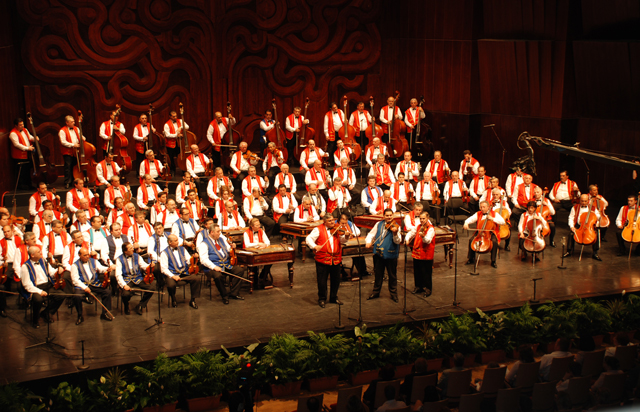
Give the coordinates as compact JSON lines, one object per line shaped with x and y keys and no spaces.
{"x":158,"y":321}
{"x":360,"y":320}
{"x":49,"y":341}
{"x":504,"y":151}
{"x":405,"y":312}
{"x":455,"y":303}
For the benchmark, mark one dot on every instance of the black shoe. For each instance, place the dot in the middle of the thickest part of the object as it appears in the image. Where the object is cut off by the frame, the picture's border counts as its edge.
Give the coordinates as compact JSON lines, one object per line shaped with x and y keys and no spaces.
{"x":494,"y":264}
{"x":236,"y":297}
{"x":139,"y":310}
{"x":523,"y":258}
{"x":35,"y":325}
{"x":596,"y":257}
{"x":80,"y":320}
{"x":225,"y":301}
{"x":553,"y":244}
{"x":126,"y":309}
{"x":87,"y":300}
{"x":336,"y":301}
{"x":394,"y":298}
{"x":427,"y":293}
{"x":417,"y":291}
{"x":321,"y":304}
{"x":507,"y":249}
{"x":106,"y":317}
{"x":3,"y":313}
{"x":193,"y":304}
{"x":567,"y":254}
{"x":373,"y":296}
{"x":469,"y":262}
{"x":173,"y":303}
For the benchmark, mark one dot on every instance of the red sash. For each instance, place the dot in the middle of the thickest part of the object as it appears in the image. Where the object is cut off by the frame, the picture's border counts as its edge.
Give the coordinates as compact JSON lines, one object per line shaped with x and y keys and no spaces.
{"x":356,"y":120}
{"x":52,"y":241}
{"x":332,"y":131}
{"x":216,"y":133}
{"x":332,"y":204}
{"x":139,"y":144}
{"x":291,"y":123}
{"x":171,"y":141}
{"x":76,"y":198}
{"x":36,"y":197}
{"x":421,"y":250}
{"x":107,"y":131}
{"x":385,"y":115}
{"x":250,"y":233}
{"x":68,"y":151}
{"x":276,"y":216}
{"x":192,"y":160}
{"x":105,"y":173}
{"x":326,"y":255}
{"x":136,"y":233}
{"x":556,"y":186}
{"x":24,"y":140}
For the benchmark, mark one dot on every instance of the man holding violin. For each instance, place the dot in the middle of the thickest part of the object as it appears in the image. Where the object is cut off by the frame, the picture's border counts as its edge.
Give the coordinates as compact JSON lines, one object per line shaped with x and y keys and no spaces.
{"x":385,"y":237}
{"x":130,"y":272}
{"x":174,"y":264}
{"x":575,"y":222}
{"x":482,"y":220}
{"x":423,"y":248}
{"x":85,"y":278}
{"x":240,"y":162}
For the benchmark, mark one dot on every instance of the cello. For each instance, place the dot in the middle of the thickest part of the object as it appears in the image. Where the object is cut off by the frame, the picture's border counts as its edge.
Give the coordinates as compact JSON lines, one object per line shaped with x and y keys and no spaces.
{"x":586,"y":234}
{"x":306,"y":133}
{"x":118,"y":144}
{"x":630,"y":232}
{"x":348,"y":134}
{"x":534,"y":242}
{"x":185,"y":140}
{"x":42,"y":170}
{"x":374,"y":130}
{"x":422,"y":145}
{"x":85,"y":167}
{"x":505,"y":230}
{"x":157,"y":142}
{"x":275,"y":135}
{"x":482,"y":242}
{"x":397,"y":129}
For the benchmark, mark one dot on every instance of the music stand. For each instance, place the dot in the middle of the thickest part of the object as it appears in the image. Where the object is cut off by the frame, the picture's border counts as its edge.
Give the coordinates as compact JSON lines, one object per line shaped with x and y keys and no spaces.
{"x":455,"y":303}
{"x":405,"y":312}
{"x":360,"y":320}
{"x":158,"y":321}
{"x":48,"y":340}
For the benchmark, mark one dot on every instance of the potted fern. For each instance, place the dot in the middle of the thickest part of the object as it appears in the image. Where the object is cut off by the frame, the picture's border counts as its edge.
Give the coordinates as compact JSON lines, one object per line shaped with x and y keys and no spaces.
{"x":524,"y":328}
{"x":206,"y":376}
{"x":400,"y":348}
{"x":558,"y":321}
{"x":14,"y":398}
{"x":459,"y":334}
{"x":430,"y":349}
{"x":496,"y":336}
{"x":66,"y":397}
{"x":365,"y":356}
{"x":111,"y":392}
{"x":592,"y":319}
{"x":159,"y":384}
{"x":328,"y":361}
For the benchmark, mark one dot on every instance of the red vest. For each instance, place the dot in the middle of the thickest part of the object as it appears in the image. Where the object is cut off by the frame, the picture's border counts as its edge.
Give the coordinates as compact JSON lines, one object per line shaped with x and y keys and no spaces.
{"x":36,"y":197}
{"x":250,"y":233}
{"x":107,"y":131}
{"x":3,"y":243}
{"x":326,"y":255}
{"x":24,"y":140}
{"x":68,"y":151}
{"x":480,"y":222}
{"x":171,"y":141}
{"x":439,"y":172}
{"x":385,"y":116}
{"x":356,"y":120}
{"x":225,"y":217}
{"x":216,"y":133}
{"x":332,"y":130}
{"x":127,"y":222}
{"x":556,"y":186}
{"x":314,"y":176}
{"x":459,"y":187}
{"x":412,"y":120}
{"x":476,"y":182}
{"x":396,"y":190}
{"x":76,"y":198}
{"x":278,"y":197}
{"x":52,"y":241}
{"x":139,"y":144}
{"x":198,"y":208}
{"x":473,"y":162}
{"x":307,"y":151}
{"x":522,"y":197}
{"x":192,"y":161}
{"x":105,"y":173}
{"x":72,"y":250}
{"x":290,"y":122}
{"x":136,"y":233}
{"x":382,"y":177}
{"x":145,"y":193}
{"x":514,"y":177}
{"x":421,"y":250}
{"x":332,"y":204}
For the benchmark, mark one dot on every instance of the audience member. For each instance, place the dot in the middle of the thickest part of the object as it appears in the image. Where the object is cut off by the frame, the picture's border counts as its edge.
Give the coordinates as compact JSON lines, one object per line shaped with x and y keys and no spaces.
{"x":575,"y":371}
{"x":313,"y":405}
{"x":391,"y":402}
{"x":354,"y":404}
{"x":419,"y":369}
{"x":620,"y":339}
{"x":561,"y":350}
{"x":387,"y":373}
{"x":526,"y":356}
{"x":611,"y":367}
{"x":458,"y":365}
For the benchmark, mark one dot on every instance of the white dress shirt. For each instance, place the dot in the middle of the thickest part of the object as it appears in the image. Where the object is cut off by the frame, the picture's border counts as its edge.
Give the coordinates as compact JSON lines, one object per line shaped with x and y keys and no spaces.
{"x":143,"y":265}
{"x":41,"y":277}
{"x":203,"y":251}
{"x":257,"y":210}
{"x":164,"y":261}
{"x":75,"y":273}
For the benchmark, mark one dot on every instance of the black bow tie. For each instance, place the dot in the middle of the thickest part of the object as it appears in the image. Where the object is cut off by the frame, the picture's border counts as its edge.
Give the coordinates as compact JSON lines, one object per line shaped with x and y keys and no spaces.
{"x":175,"y":249}
{"x":148,"y":185}
{"x":253,"y":178}
{"x":140,"y":226}
{"x":43,"y":195}
{"x":56,"y":234}
{"x":564,"y":183}
{"x":48,"y":224}
{"x":193,"y":203}
{"x":526,"y":186}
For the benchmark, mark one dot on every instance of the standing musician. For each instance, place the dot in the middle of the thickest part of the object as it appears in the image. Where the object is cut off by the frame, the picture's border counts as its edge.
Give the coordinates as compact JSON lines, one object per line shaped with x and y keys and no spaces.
{"x":477,"y":186}
{"x":215,"y":184}
{"x":69,"y":136}
{"x":139,"y":233}
{"x":113,"y":191}
{"x":597,"y":198}
{"x":195,"y":206}
{"x":438,"y":167}
{"x":266,"y":124}
{"x":240,"y":164}
{"x":37,"y":278}
{"x":351,"y":230}
{"x":8,"y":247}
{"x":172,"y":131}
{"x":284,"y":204}
{"x":183,"y":187}
{"x":256,"y":237}
{"x":127,"y":219}
{"x":292,"y":126}
{"x":43,"y":227}
{"x":214,"y":252}
{"x":317,"y":200}
{"x":217,"y":129}
{"x":389,"y":113}
{"x":469,"y":167}
{"x":186,"y":229}
{"x":424,"y":245}
{"x":253,"y":181}
{"x":385,"y":253}
{"x":155,"y":246}
{"x":540,"y":200}
{"x":272,"y":162}
{"x":54,"y":243}
{"x":225,"y":196}
{"x":327,"y":243}
{"x":339,"y":198}
{"x":341,"y":152}
{"x":310,"y":155}
{"x":574,"y":223}
{"x":427,"y":191}
{"x":82,"y":220}
{"x":370,"y":193}
{"x":400,"y":190}
{"x":106,"y":129}
{"x":20,"y":148}
{"x":383,"y":173}
{"x":287,"y":179}
{"x":410,"y":168}
{"x":74,"y":195}
{"x":254,"y":206}
{"x":514,"y":180}
{"x":130,"y":271}
{"x":319,"y":176}
{"x":105,"y":170}
{"x":622,"y":221}
{"x":333,"y":121}
{"x":374,"y":150}
{"x":479,"y":218}
{"x":174,"y":263}
{"x":412,"y":219}
{"x":522,"y":195}
{"x":84,"y":276}
{"x":141,"y":136}
{"x":497,"y":200}
{"x":231,"y":219}
{"x":360,"y":120}
{"x":523,"y":230}
{"x":412,"y":117}
{"x":197,"y":165}
{"x":38,"y":198}
{"x":454,"y":190}
{"x":147,"y":193}
{"x":563,"y":191}
{"x":150,"y":166}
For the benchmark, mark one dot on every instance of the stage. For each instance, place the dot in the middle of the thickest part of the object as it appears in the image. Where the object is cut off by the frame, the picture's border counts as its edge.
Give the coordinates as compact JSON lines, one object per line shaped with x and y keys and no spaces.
{"x":295,"y":310}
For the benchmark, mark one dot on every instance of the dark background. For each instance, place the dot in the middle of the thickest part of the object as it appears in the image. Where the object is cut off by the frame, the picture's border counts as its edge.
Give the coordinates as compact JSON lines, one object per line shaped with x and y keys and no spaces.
{"x":567,"y":70}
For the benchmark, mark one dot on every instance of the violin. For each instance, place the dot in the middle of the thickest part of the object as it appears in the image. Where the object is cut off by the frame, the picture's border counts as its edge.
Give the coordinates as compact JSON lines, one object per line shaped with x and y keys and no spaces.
{"x":586,"y":234}
{"x":575,"y":196}
{"x":233,"y":259}
{"x":348,"y":133}
{"x":392,"y":225}
{"x":42,"y":170}
{"x":397,"y":129}
{"x":275,"y":135}
{"x":482,"y":242}
{"x":107,"y":279}
{"x":306,"y":133}
{"x":544,"y":209}
{"x":194,"y":267}
{"x":148,"y":274}
{"x":340,"y":230}
{"x":85,"y":167}
{"x":251,"y":157}
{"x":374,"y":130}
{"x":59,"y":282}
{"x":534,"y":242}
{"x":127,"y":194}
{"x":411,"y":198}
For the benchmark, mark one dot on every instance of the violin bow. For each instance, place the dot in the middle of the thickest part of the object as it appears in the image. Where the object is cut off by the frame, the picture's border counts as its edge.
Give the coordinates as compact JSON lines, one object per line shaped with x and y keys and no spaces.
{"x":100,"y":303}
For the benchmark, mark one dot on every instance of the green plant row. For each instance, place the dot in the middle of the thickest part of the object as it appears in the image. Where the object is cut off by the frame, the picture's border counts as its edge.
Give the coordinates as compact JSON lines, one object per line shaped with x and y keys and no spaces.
{"x":286,"y":358}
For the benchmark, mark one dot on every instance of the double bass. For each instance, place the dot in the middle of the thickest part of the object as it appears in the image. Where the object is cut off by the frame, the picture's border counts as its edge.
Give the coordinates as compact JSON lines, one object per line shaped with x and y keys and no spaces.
{"x":348,"y":134}
{"x":586,"y":233}
{"x":275,"y":135}
{"x":118,"y":144}
{"x":230,"y":140}
{"x":374,"y":130}
{"x":157,"y":143}
{"x":397,"y":129}
{"x":85,"y":167}
{"x":306,"y":133}
{"x":43,"y":171}
{"x":185,"y":140}
{"x":422,"y":145}
{"x":482,"y":242}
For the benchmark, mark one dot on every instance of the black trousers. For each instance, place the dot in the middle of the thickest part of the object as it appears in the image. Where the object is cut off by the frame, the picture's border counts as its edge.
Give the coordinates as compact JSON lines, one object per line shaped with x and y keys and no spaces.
{"x":422,"y":271}
{"x":281,"y":220}
{"x":104,"y":294}
{"x":271,"y":175}
{"x":25,"y":173}
{"x":127,"y":294}
{"x":192,"y":280}
{"x":494,"y":249}
{"x":69,"y":162}
{"x":325,"y":273}
{"x":595,"y":247}
{"x":201,"y":185}
{"x":140,"y":157}
{"x":621,"y":246}
{"x":332,"y":145}
{"x":291,"y":147}
{"x":7,"y":286}
{"x":53,"y":300}
{"x":173,"y":154}
{"x":563,"y":204}
{"x":268,"y":224}
{"x":234,"y":283}
{"x":381,"y":264}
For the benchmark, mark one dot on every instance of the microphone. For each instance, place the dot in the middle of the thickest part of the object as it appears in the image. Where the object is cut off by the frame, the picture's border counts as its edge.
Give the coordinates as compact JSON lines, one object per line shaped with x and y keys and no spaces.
{"x":489,"y":125}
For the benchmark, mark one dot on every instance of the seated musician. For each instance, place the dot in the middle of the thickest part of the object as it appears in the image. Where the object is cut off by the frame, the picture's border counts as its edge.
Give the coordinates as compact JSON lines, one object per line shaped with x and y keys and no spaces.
{"x":310,"y":155}
{"x":574,"y":223}
{"x":5,"y":220}
{"x":150,"y":166}
{"x":540,"y":200}
{"x":319,"y":176}
{"x":522,"y":195}
{"x":226,"y":195}
{"x":239,"y":163}
{"x":438,"y":168}
{"x":231,"y":219}
{"x":370,"y":193}
{"x":20,"y":258}
{"x":186,"y":185}
{"x":305,"y":213}
{"x":253,"y":181}
{"x":427,"y":191}
{"x":266,"y":124}
{"x":256,"y":237}
{"x":139,"y":233}
{"x":197,"y":164}
{"x":412,"y":219}
{"x":454,"y":191}
{"x":141,"y":135}
{"x":105,"y":170}
{"x":401,"y":190}
{"x":186,"y":229}
{"x":113,"y":191}
{"x":156,"y":244}
{"x":130,"y":272}
{"x":172,"y":131}
{"x":496,"y":202}
{"x":272,"y":161}
{"x":385,"y":238}
{"x":423,"y":236}
{"x":479,"y":184}
{"x":116,"y":212}
{"x":255,"y":206}
{"x":214,"y":252}
{"x":494,"y":183}
{"x":81,"y":221}
{"x":217,"y":129}
{"x":54,"y":243}
{"x":360,"y":120}
{"x":127,"y":219}
{"x":341,"y":153}
{"x":622,"y":221}
{"x":84,"y":207}
{"x":524,"y":229}
{"x":195,"y":206}
{"x":97,"y":234}
{"x":339,"y":199}
{"x":48,"y":205}
{"x":563,"y":191}
{"x":37,"y":277}
{"x":38,"y":198}
{"x":108,"y":128}
{"x":375,"y":149}
{"x":600,"y":203}
{"x":21,"y":148}
{"x":292,"y":125}
{"x":112,"y":249}
{"x":410,"y":168}
{"x":514,"y":180}
{"x":317,"y":200}
{"x":174,"y":263}
{"x":43,"y":227}
{"x":287,"y":179}
{"x":160,"y":205}
{"x":284,"y":204}
{"x":348,"y":178}
{"x":469,"y":167}
{"x":359,"y":262}
{"x":85,"y":276}
{"x":383,"y":174}
{"x":147,"y":193}
{"x":74,"y":195}
{"x":8,"y":246}
{"x":479,"y":219}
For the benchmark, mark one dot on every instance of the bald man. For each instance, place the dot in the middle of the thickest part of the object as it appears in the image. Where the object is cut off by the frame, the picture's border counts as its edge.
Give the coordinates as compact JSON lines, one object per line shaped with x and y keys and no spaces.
{"x":174,"y":264}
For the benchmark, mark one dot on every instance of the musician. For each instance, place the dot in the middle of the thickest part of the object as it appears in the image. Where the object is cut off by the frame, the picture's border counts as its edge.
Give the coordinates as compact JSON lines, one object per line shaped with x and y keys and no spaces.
{"x":540,"y":200}
{"x":195,"y":206}
{"x":523,"y":230}
{"x":37,"y":199}
{"x":216,"y":131}
{"x":114,"y":214}
{"x":383,"y":173}
{"x":479,"y":219}
{"x":97,"y":235}
{"x":254,"y":206}
{"x":8,"y":246}
{"x":112,"y":248}
{"x":174,"y":263}
{"x":107,"y":129}
{"x":574,"y":223}
{"x":256,"y":237}
{"x":225,"y":196}
{"x":427,"y":192}
{"x":253,"y":181}
{"x":374,"y":150}
{"x":54,"y":243}
{"x":383,"y":203}
{"x":522,"y":195}
{"x":141,"y":137}
{"x":359,"y":262}
{"x":412,"y":219}
{"x":147,"y":193}
{"x":272,"y":162}
{"x":160,"y":205}
{"x":69,"y":136}
{"x":239,"y":163}
{"x":283,"y":205}
{"x":6,"y":221}
{"x":361,"y":120}
{"x":84,"y":207}
{"x":310,"y":155}
{"x":339,"y":198}
{"x":389,"y":113}
{"x":197,"y":164}
{"x":21,"y":147}
{"x":172,"y":132}
{"x":214,"y":252}
{"x":84,"y":273}
{"x":186,"y":228}
{"x":438,"y":168}
{"x":43,"y":227}
{"x":139,"y":233}
{"x":385,"y":237}
{"x":82,"y":220}
{"x":370,"y":193}
{"x":412,"y":116}
{"x":622,"y":221}
{"x":150,"y":166}
{"x":410,"y":169}
{"x":37,"y":278}
{"x":292,"y":125}
{"x":306,"y":213}
{"x":454,"y":191}
{"x":423,"y":236}
{"x":400,"y":190}
{"x":333,"y":121}
{"x":317,"y":200}
{"x":127,"y":219}
{"x":327,"y":244}
{"x":231,"y":219}
{"x":342,"y":152}
{"x":20,"y":258}
{"x":266,"y":124}
{"x":347,"y":177}
{"x":155,"y":246}
{"x":74,"y":195}
{"x":130,"y":272}
{"x":497,"y":200}
{"x":469,"y":167}
{"x":319,"y":176}
{"x":494,"y":183}
{"x":186,"y":185}
{"x":287,"y":179}
{"x":563,"y":192}
{"x":514,"y":180}
{"x":105,"y":170}
{"x":478,"y":185}
{"x":599,"y":199}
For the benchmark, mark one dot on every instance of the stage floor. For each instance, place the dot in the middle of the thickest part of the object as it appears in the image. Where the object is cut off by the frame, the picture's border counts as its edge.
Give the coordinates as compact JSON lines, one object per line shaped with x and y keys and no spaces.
{"x":295,"y":310}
